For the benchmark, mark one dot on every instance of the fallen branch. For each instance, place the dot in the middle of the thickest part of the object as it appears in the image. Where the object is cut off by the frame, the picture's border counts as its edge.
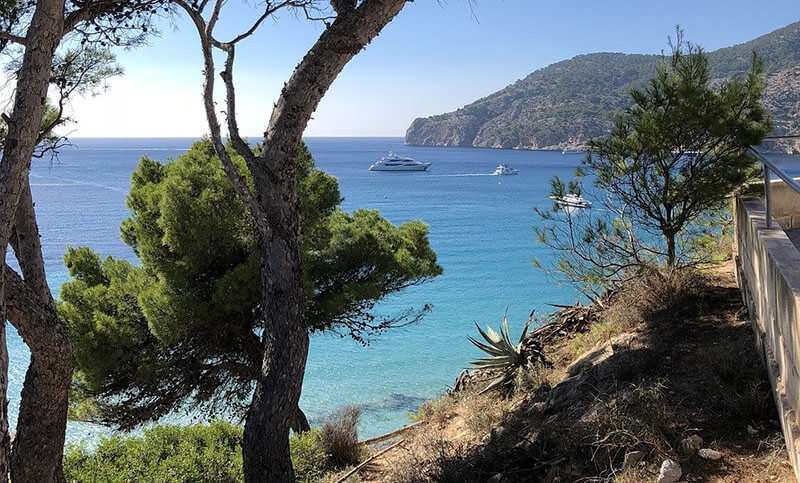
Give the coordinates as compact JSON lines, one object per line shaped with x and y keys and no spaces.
{"x":570,"y":319}
{"x":366,"y":461}
{"x":384,"y":437}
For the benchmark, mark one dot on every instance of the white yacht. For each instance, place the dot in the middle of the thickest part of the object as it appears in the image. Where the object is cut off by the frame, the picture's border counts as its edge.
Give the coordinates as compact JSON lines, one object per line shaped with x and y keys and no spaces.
{"x":504,"y":170}
{"x":572,"y":201}
{"x":393,"y":162}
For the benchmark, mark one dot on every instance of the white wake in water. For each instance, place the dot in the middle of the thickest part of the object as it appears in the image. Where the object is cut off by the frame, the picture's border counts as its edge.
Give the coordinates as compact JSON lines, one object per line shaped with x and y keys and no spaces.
{"x":464,"y":175}
{"x":73,"y":183}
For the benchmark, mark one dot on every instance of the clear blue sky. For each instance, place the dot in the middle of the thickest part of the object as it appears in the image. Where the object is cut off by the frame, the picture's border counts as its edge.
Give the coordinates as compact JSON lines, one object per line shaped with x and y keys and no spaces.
{"x":434,"y":57}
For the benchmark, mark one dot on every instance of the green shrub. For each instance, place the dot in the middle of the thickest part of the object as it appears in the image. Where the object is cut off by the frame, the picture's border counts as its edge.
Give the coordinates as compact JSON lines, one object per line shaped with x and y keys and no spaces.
{"x":309,"y":458}
{"x":167,"y":453}
{"x":206,"y":453}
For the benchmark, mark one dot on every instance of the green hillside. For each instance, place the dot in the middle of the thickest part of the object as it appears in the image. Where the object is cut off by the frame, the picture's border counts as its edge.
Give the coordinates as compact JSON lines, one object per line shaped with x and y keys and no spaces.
{"x":562,"y":105}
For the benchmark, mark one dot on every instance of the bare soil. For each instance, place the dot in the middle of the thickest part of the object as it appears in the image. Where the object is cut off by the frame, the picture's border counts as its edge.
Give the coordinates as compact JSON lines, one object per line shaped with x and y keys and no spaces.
{"x":690,"y":368}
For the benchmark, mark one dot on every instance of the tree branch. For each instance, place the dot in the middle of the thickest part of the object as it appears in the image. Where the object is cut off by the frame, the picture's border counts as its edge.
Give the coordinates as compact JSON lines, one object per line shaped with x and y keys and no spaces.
{"x":230,"y":99}
{"x":345,"y":37}
{"x":214,"y":17}
{"x":270,"y":9}
{"x":25,"y":305}
{"x":13,"y":38}
{"x":237,"y":180}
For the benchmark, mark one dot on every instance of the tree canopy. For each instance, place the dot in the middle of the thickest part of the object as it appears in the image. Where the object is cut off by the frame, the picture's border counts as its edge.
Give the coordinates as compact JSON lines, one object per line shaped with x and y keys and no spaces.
{"x":49,"y":45}
{"x":663,"y":175}
{"x":182,"y":329}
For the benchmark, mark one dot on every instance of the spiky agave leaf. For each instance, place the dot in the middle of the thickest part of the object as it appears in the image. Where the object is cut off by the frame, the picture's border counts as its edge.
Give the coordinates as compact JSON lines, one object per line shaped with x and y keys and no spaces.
{"x":504,"y":331}
{"x":498,"y":381}
{"x":503,"y":355}
{"x":527,"y":326}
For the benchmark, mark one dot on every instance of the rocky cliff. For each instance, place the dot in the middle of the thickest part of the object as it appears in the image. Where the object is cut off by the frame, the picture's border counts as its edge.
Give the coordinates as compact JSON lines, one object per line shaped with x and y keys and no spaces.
{"x":566,"y":103}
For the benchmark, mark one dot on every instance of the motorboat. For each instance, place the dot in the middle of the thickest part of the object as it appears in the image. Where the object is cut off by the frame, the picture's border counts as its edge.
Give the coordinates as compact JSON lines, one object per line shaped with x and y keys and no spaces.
{"x":504,"y":170}
{"x":393,"y":162}
{"x":572,"y":201}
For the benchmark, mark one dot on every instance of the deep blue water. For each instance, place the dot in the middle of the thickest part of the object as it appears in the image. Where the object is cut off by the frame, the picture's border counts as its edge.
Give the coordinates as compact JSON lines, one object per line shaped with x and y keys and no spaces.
{"x":480,"y":227}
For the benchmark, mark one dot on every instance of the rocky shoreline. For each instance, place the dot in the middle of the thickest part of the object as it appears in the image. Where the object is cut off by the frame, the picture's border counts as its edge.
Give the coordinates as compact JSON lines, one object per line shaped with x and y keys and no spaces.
{"x":563,"y":105}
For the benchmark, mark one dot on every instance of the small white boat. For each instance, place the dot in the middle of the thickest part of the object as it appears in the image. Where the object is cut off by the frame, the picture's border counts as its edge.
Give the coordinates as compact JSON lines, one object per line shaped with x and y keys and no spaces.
{"x":393,"y":162}
{"x":572,"y":201}
{"x":504,"y":170}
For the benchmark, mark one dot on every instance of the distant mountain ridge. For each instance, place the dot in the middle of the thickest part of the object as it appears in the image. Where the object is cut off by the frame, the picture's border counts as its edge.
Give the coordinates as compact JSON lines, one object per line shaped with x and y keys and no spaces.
{"x":564,"y":104}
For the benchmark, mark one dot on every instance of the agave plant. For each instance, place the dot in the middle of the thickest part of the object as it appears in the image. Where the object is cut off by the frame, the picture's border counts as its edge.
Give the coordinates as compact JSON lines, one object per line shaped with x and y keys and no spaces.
{"x":503,"y":355}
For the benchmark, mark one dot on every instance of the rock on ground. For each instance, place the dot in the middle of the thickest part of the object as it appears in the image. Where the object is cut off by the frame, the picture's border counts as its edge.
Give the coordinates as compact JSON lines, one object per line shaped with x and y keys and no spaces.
{"x":670,"y":472}
{"x":632,"y":458}
{"x":691,"y":445}
{"x":709,"y":454}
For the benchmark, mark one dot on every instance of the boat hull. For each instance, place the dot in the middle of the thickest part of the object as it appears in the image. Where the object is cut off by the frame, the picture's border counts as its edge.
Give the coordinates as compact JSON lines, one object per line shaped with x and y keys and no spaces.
{"x":505,"y":170}
{"x":420,"y":167}
{"x":572,"y":203}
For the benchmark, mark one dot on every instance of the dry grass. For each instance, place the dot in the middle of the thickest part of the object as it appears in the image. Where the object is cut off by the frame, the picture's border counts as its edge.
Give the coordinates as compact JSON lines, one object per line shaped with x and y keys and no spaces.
{"x":772,"y":464}
{"x":635,"y":474}
{"x":431,"y":458}
{"x":531,"y":380}
{"x":340,"y":437}
{"x":688,"y":367}
{"x":746,"y":393}
{"x":482,"y":413}
{"x":440,"y":450}
{"x":598,"y":333}
{"x":479,"y":412}
{"x":751,"y":402}
{"x":436,"y":411}
{"x":659,"y":295}
{"x":335,"y":477}
{"x":637,"y":419}
{"x":647,"y":300}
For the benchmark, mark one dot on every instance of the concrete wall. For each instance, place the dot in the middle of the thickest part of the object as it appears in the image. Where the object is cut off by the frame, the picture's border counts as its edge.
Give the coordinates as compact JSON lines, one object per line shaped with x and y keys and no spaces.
{"x":768,"y":272}
{"x":785,"y":204}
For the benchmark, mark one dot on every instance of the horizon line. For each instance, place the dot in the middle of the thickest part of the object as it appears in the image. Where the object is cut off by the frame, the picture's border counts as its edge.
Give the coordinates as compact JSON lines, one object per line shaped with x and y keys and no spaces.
{"x":224,"y":137}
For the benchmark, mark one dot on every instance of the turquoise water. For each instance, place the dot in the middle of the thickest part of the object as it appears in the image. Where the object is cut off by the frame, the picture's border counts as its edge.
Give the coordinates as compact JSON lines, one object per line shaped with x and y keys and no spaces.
{"x":480,"y":227}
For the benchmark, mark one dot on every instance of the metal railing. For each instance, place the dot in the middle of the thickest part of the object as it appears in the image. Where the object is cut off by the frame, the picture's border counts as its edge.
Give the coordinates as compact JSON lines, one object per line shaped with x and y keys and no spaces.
{"x":769,"y":168}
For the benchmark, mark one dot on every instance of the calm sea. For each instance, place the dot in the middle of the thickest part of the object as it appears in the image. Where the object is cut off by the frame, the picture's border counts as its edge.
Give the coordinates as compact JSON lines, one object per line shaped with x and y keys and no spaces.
{"x":480,"y":227}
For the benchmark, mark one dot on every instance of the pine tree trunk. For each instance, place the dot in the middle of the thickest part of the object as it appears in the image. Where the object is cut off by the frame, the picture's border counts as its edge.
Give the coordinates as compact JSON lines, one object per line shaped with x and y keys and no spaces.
{"x":38,"y":447}
{"x":265,"y":448}
{"x":671,"y":255}
{"x":24,"y":304}
{"x":5,"y":449}
{"x":44,"y":35}
{"x":285,"y":341}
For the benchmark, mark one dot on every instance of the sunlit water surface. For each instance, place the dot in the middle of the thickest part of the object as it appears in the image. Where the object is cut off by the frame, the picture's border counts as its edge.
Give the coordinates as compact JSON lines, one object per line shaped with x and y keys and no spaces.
{"x":480,"y":227}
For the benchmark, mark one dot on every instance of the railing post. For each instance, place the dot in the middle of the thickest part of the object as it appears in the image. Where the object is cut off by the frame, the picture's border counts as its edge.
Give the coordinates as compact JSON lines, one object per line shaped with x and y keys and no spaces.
{"x":767,"y":189}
